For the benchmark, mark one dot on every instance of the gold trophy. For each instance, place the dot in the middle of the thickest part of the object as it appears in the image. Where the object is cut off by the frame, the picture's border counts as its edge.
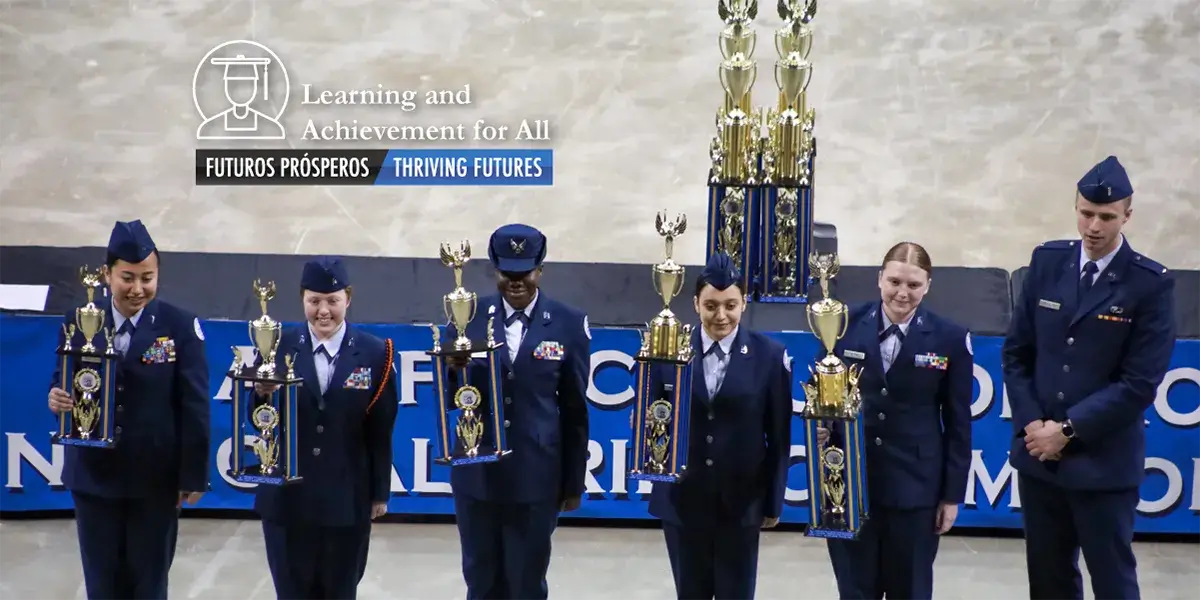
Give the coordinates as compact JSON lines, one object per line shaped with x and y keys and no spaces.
{"x":734,"y":153}
{"x":838,"y":504}
{"x":272,"y":416}
{"x":663,"y":376}
{"x":88,"y":373}
{"x":787,"y":158}
{"x":457,"y":388}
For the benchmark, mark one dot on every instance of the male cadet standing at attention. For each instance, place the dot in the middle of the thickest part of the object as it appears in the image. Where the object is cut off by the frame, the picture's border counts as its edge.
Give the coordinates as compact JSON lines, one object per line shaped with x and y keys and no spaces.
{"x":1090,"y":341}
{"x":318,"y":530}
{"x":507,"y":510}
{"x":127,"y":498}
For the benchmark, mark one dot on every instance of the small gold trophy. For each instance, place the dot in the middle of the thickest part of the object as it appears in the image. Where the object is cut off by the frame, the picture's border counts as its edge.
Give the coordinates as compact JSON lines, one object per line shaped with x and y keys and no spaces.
{"x":663,"y":376}
{"x":458,"y":389}
{"x":839,"y":505}
{"x":88,"y":374}
{"x":273,"y":416}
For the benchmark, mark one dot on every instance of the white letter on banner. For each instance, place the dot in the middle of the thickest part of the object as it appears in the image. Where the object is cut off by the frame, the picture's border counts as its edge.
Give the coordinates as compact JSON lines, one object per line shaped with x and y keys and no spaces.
{"x":790,"y":496}
{"x":992,"y":488}
{"x":1195,"y":484}
{"x":410,"y":376}
{"x":619,"y":469}
{"x":599,"y":359}
{"x":1174,"y":487}
{"x":19,"y":448}
{"x":595,"y":462}
{"x":1164,"y":409}
{"x":421,"y":482}
{"x":987,"y":394}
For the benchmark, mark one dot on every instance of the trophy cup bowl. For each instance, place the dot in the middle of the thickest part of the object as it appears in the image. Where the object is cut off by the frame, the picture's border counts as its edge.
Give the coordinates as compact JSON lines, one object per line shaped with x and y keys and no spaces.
{"x":265,"y":333}
{"x":89,"y":319}
{"x":794,"y":38}
{"x":668,"y":280}
{"x":737,"y":75}
{"x":737,"y":38}
{"x":828,"y":320}
{"x":792,"y":74}
{"x":459,"y":307}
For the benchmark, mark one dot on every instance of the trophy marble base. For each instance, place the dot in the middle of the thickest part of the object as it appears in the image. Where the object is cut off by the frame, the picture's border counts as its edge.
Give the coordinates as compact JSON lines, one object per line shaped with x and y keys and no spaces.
{"x":254,"y":474}
{"x":63,"y":440}
{"x":802,"y":299}
{"x":486,"y":455}
{"x":659,"y":477}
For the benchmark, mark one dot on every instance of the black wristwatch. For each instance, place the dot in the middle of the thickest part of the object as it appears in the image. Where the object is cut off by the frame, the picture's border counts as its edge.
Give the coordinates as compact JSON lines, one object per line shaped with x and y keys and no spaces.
{"x":1068,"y":429}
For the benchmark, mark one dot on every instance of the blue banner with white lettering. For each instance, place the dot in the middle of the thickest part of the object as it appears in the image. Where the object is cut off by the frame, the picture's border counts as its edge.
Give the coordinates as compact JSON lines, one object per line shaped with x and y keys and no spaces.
{"x":1170,"y":497}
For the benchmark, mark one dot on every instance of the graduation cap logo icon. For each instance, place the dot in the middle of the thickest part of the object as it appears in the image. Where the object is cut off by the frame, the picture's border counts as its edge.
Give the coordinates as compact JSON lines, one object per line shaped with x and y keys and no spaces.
{"x":232,"y":90}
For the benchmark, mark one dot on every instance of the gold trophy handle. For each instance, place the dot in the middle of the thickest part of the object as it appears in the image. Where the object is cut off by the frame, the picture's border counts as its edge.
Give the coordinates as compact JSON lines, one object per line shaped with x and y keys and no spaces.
{"x":808,"y":317}
{"x":845,"y":323}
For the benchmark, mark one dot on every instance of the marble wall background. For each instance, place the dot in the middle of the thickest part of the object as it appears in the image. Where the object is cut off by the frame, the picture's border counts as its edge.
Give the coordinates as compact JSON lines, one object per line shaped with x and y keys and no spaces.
{"x":962,"y":124}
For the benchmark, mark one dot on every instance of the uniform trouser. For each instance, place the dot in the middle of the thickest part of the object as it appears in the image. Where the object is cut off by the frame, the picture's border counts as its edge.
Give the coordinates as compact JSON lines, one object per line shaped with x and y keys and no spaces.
{"x":1060,"y":522}
{"x":505,"y":547}
{"x":316,"y":563}
{"x":713,"y":561}
{"x":127,"y":544}
{"x":892,"y":557}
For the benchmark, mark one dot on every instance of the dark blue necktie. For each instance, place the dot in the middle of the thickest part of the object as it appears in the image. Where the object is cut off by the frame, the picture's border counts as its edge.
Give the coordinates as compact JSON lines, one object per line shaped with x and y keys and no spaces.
{"x":715,"y":348}
{"x":1085,"y":280}
{"x":893,"y":329}
{"x":517,"y":316}
{"x":126,"y":327}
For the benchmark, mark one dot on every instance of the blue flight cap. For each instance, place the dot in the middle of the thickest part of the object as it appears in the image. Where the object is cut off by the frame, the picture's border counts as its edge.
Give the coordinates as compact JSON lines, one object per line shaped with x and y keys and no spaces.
{"x":517,"y":248}
{"x":130,"y":242}
{"x":720,"y":272}
{"x":1106,"y":183}
{"x":324,"y":275}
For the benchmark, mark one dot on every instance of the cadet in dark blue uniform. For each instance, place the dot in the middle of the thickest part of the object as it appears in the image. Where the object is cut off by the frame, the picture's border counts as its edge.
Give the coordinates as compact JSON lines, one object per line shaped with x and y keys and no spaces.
{"x":127,"y":499}
{"x":738,"y":449}
{"x":916,"y":384}
{"x":318,"y":530}
{"x":1090,"y":341}
{"x":507,"y":510}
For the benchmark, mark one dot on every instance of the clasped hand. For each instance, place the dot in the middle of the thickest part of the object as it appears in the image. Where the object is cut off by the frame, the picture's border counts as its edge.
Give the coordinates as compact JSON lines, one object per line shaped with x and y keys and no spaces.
{"x":1044,"y":440}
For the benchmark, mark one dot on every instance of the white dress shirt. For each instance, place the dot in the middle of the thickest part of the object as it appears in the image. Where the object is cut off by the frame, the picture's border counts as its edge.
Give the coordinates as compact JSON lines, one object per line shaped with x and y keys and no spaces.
{"x":515,"y":333}
{"x":326,"y":364}
{"x":890,"y":347}
{"x":121,"y":340}
{"x":715,"y":364}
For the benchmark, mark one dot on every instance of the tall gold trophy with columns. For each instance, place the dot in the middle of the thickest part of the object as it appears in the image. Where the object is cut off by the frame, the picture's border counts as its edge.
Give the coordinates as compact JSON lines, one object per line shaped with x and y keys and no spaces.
{"x":760,"y":200}
{"x":663,"y":376}
{"x":838,"y":503}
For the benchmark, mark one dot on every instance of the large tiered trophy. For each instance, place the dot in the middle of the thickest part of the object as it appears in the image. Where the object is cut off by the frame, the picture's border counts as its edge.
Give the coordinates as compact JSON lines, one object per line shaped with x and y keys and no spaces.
{"x":838,"y":504}
{"x":664,"y":362}
{"x":88,"y":374}
{"x":760,"y":205}
{"x":479,"y":433}
{"x":272,"y":418}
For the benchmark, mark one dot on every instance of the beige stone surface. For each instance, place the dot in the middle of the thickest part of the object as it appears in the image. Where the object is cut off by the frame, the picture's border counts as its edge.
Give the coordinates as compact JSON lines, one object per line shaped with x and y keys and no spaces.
{"x":962,"y":124}
{"x":225,"y":559}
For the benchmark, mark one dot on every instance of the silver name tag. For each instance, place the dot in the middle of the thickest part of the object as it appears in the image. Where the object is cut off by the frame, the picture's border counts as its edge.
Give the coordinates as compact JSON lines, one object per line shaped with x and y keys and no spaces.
{"x":853,"y":354}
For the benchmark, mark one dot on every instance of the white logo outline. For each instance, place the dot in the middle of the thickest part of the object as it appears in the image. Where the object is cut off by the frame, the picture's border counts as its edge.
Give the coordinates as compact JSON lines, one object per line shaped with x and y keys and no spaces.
{"x":242,"y":134}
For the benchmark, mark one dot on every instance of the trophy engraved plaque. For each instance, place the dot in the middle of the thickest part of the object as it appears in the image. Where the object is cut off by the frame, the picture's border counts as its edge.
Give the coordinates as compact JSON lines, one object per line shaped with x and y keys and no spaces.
{"x":478,"y":433}
{"x":789,"y":152}
{"x":838,"y":504}
{"x":88,"y":373}
{"x":663,"y":376}
{"x":273,"y":417}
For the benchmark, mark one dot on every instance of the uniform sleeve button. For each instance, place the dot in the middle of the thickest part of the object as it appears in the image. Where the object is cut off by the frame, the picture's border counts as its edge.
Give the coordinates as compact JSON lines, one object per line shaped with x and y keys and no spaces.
{"x":316,"y":452}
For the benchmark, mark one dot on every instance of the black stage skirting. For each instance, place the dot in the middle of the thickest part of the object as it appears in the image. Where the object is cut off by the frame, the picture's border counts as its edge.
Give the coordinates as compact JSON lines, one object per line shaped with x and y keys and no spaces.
{"x":409,"y":290}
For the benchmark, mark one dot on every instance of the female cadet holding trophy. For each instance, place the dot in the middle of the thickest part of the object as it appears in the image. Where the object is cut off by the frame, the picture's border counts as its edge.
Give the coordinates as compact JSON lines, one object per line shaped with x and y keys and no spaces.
{"x":916,"y":386}
{"x":317,"y":530}
{"x":738,"y":451}
{"x":131,"y":469}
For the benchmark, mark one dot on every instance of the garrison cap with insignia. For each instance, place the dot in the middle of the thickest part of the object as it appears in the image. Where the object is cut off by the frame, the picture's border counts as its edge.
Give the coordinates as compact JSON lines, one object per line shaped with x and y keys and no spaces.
{"x":720,"y":272}
{"x":517,"y":248}
{"x":1106,"y":183}
{"x":130,"y":242}
{"x":324,"y":275}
